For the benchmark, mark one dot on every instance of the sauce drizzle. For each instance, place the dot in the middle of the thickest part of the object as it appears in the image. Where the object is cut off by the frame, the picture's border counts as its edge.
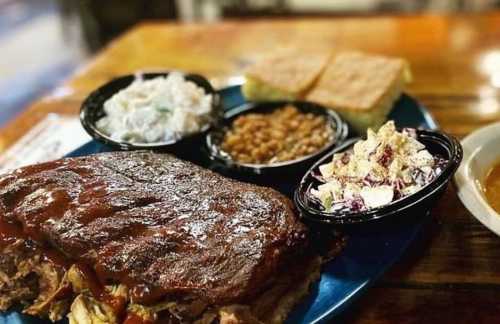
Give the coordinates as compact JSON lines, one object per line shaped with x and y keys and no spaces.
{"x":492,"y":187}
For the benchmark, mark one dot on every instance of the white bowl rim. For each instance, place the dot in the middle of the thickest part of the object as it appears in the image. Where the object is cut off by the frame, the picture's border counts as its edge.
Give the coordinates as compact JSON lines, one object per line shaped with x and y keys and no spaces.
{"x":468,"y":185}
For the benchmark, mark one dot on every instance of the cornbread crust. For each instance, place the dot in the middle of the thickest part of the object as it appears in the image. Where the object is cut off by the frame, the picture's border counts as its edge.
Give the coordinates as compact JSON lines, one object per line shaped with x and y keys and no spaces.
{"x":361,"y":87}
{"x":358,"y":81}
{"x":374,"y":118}
{"x":288,"y":75}
{"x":255,"y":90}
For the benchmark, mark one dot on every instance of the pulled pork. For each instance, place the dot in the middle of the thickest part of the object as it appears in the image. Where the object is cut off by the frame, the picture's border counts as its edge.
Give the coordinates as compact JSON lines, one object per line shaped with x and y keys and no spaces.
{"x":27,"y":278}
{"x":49,"y":291}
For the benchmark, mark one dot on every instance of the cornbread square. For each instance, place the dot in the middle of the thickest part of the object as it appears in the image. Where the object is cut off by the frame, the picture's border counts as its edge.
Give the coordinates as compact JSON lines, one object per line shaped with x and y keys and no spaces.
{"x":284,"y":76}
{"x":361,"y":87}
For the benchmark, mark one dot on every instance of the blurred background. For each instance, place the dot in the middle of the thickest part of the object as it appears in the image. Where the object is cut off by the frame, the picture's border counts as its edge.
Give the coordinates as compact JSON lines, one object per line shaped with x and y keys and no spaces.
{"x":43,"y":41}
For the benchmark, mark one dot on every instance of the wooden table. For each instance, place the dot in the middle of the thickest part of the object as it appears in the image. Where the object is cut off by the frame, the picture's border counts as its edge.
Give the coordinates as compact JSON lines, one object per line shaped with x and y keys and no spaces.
{"x":452,"y":272}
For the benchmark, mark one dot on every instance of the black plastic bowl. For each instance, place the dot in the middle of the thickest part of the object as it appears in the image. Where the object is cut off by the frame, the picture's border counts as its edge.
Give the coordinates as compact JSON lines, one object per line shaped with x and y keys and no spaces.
{"x":416,"y":204}
{"x":216,"y":135}
{"x":92,"y":110}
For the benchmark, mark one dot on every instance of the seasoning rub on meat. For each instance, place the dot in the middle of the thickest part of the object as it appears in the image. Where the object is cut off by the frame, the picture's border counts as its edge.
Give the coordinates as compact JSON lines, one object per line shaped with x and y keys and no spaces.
{"x":138,"y":237}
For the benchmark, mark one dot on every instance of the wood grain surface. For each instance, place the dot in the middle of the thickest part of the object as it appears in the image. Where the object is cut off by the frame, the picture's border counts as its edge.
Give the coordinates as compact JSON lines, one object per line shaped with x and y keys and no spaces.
{"x":451,"y":274}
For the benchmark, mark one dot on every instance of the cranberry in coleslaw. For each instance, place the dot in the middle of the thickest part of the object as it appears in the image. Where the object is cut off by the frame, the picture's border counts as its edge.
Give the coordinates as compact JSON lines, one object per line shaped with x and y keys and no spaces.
{"x":385,"y":167}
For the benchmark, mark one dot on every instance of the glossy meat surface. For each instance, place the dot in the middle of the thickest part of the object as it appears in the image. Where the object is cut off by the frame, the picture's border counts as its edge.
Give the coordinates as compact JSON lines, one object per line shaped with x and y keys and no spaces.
{"x":162,"y":226}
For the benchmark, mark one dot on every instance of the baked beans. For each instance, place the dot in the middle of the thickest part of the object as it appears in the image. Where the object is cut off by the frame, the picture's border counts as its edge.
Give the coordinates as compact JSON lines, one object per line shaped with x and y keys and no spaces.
{"x":282,"y":135}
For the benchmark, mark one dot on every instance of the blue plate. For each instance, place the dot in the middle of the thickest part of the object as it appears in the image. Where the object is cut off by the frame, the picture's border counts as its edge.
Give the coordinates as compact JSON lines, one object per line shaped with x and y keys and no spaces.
{"x":369,"y":252}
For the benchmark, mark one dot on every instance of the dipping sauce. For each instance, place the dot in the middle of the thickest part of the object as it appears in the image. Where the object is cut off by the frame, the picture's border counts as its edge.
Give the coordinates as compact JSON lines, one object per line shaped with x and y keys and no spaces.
{"x":156,"y":110}
{"x":385,"y":167}
{"x":492,"y":188}
{"x":282,"y":135}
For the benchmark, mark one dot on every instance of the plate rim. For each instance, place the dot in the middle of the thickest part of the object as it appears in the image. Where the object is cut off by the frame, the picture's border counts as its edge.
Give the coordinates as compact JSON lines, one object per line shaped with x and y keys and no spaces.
{"x":338,"y":307}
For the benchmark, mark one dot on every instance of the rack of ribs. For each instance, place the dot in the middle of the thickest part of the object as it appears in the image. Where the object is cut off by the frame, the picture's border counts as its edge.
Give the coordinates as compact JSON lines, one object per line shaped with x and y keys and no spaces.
{"x":139,"y":237}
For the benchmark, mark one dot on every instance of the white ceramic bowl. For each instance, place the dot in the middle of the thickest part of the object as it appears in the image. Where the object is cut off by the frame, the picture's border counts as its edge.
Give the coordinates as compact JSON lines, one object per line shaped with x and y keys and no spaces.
{"x":481,"y":152}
